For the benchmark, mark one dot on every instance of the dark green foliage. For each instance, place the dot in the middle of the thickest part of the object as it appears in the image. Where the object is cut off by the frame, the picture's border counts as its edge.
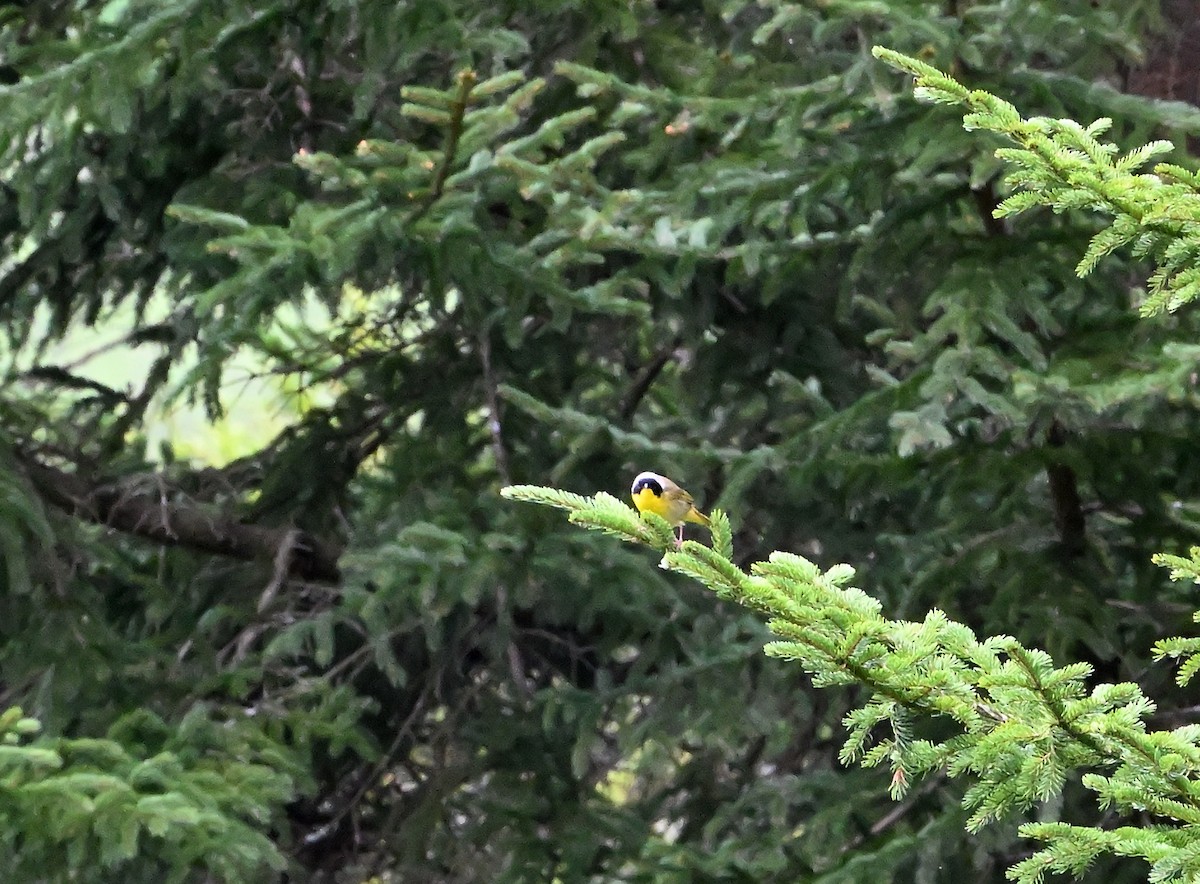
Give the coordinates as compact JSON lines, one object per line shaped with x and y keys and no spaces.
{"x":193,"y":801}
{"x":1021,"y":727}
{"x":556,"y":243}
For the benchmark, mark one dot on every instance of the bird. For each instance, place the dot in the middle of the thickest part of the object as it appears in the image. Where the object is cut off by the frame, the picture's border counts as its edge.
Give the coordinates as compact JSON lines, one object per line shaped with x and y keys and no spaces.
{"x":657,"y":494}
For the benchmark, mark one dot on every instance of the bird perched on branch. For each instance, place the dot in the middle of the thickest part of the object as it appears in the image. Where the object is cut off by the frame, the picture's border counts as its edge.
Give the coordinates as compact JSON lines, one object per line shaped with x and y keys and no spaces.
{"x":657,"y":494}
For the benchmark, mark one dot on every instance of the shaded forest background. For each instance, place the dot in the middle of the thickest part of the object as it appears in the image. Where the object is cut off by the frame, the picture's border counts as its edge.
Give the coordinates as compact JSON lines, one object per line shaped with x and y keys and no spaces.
{"x":553,"y":242}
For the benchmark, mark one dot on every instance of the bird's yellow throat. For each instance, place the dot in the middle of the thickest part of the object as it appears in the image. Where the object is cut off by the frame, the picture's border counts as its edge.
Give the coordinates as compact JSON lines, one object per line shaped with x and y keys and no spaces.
{"x":647,"y":501}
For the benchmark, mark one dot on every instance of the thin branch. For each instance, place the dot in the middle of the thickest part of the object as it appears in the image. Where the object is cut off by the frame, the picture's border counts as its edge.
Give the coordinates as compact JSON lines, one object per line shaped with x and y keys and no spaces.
{"x":493,"y":407}
{"x":458,"y":110}
{"x":53,"y":374}
{"x":896,"y":814}
{"x":129,"y":508}
{"x":136,"y":407}
{"x":985,"y":204}
{"x":282,"y":565}
{"x":645,"y":378}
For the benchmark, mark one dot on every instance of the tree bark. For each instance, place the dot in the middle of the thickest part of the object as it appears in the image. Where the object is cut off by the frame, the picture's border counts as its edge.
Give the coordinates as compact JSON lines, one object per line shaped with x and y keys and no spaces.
{"x":130,"y":508}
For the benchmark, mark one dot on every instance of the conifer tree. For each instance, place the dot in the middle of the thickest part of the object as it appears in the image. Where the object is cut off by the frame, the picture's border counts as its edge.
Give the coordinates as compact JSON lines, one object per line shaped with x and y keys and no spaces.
{"x":1018,"y":725}
{"x":469,"y":247}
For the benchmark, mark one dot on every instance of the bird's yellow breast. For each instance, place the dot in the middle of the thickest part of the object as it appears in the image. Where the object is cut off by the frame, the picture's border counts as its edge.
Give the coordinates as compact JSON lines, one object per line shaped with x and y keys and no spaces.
{"x":648,"y":502}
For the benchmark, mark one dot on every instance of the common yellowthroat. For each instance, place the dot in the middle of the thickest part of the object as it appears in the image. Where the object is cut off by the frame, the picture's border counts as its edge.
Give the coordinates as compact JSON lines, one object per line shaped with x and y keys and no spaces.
{"x":657,"y":494}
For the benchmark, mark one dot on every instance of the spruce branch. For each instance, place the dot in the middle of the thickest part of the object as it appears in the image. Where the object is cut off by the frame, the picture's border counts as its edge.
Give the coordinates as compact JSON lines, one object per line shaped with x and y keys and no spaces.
{"x":602,"y":512}
{"x":605,"y":513}
{"x":1021,"y":724}
{"x":451,"y":118}
{"x":1063,"y":165}
{"x":1187,"y":650}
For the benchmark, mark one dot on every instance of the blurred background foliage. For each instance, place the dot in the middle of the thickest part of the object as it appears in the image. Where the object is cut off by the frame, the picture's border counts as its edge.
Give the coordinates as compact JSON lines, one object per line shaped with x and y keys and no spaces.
{"x":454,"y":246}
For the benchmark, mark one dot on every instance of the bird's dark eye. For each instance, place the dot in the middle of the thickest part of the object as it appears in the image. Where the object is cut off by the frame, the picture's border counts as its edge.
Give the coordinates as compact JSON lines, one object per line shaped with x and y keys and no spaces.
{"x":655,"y":488}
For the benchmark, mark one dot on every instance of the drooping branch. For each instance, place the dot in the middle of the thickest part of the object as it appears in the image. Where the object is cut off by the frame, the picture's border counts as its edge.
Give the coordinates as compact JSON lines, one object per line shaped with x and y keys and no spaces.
{"x":139,"y":508}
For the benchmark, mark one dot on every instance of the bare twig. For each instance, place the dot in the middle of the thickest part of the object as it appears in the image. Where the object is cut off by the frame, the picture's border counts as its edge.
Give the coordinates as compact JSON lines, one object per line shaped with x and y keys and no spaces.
{"x":645,"y":378}
{"x":493,"y":406}
{"x":896,"y":814}
{"x":283,"y":564}
{"x":54,"y":374}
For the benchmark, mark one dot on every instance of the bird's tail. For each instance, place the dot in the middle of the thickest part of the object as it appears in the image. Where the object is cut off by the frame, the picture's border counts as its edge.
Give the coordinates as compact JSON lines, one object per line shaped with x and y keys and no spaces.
{"x":694,"y":515}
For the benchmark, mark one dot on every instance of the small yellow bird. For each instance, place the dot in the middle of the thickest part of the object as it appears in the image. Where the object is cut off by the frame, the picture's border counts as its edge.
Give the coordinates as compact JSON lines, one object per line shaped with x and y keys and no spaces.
{"x":657,"y":494}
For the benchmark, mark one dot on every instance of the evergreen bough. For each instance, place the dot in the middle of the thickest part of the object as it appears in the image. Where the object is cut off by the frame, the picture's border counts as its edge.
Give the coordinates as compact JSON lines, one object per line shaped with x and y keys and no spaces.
{"x":1063,"y":165}
{"x":87,"y":809}
{"x":942,"y":699}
